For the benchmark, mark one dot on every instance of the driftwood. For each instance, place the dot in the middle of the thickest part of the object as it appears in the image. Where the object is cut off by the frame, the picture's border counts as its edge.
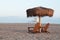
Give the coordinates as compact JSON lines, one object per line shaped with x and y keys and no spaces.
{"x":39,"y":11}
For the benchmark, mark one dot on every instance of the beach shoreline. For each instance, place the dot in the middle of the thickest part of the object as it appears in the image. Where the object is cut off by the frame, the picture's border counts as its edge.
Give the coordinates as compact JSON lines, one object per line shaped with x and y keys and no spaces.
{"x":19,"y":31}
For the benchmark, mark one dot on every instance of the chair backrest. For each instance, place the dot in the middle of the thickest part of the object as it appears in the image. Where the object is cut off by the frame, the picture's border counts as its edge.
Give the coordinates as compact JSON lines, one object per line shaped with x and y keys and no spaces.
{"x":47,"y":24}
{"x":46,"y":27}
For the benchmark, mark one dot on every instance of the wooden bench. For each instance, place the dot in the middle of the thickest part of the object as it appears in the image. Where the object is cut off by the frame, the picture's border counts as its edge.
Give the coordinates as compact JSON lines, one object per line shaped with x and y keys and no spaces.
{"x":30,"y":29}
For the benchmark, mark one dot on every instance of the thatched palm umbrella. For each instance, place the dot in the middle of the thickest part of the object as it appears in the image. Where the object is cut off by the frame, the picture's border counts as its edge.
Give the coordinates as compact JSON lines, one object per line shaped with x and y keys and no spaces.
{"x":40,"y":12}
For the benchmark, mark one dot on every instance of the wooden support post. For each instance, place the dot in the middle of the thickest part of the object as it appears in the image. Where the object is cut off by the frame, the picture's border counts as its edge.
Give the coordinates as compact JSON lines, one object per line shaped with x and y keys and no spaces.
{"x":37,"y":27}
{"x":40,"y":24}
{"x":40,"y":20}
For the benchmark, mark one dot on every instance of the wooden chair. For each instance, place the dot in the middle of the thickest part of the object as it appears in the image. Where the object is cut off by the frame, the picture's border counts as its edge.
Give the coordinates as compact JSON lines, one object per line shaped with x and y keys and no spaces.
{"x":45,"y":28}
{"x":37,"y":28}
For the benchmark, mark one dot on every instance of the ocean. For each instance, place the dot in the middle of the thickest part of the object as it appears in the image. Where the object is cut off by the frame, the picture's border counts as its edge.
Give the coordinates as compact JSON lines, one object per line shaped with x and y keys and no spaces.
{"x":13,"y":19}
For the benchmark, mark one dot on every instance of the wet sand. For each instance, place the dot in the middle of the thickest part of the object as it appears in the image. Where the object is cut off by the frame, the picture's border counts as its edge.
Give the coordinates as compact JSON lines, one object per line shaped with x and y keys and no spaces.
{"x":19,"y":31}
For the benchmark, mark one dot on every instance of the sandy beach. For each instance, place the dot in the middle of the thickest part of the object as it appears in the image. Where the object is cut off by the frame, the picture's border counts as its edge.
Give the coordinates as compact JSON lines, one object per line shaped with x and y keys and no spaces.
{"x":19,"y":31}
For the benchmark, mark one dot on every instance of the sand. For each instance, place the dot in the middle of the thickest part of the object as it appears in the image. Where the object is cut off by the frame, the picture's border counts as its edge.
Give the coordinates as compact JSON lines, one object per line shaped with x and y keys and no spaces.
{"x":19,"y":31}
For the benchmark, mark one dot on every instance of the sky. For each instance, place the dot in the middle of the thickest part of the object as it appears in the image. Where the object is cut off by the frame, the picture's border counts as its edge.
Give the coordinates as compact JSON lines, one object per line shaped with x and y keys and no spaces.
{"x":10,"y":9}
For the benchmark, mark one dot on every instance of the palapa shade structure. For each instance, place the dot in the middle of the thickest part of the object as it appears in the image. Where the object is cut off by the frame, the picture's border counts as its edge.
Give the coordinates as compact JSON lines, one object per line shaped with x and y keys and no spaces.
{"x":39,"y":11}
